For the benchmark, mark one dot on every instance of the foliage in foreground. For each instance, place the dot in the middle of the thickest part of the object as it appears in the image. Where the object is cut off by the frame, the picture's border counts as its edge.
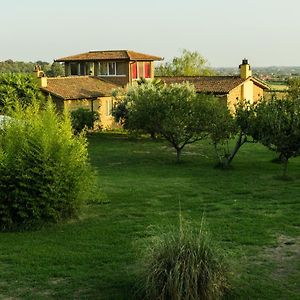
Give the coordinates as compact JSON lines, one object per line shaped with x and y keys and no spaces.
{"x":183,"y":264}
{"x":18,"y":89}
{"x":43,"y":168}
{"x":83,"y":118}
{"x":85,"y":259}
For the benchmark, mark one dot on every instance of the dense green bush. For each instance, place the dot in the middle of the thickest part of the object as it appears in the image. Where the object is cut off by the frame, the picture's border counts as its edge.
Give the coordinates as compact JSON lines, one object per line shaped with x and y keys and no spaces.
{"x":44,"y":168}
{"x":83,"y":118}
{"x":18,"y":89}
{"x":183,"y":264}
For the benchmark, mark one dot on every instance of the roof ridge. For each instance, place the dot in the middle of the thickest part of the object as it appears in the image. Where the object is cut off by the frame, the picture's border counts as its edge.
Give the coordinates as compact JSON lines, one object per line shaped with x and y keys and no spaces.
{"x":95,"y":51}
{"x":95,"y":55}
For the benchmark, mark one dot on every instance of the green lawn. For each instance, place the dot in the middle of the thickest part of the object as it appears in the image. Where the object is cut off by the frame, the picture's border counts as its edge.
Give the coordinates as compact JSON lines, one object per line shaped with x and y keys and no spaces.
{"x":254,"y":217}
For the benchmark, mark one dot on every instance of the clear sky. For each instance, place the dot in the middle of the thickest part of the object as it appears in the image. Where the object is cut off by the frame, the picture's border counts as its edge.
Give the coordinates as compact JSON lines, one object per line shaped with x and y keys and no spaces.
{"x":267,"y":32}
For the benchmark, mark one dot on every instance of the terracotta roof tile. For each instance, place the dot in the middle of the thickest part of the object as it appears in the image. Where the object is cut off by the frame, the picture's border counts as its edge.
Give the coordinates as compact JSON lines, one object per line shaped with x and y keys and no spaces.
{"x":109,"y":55}
{"x":79,"y":87}
{"x":207,"y":84}
{"x":212,"y":84}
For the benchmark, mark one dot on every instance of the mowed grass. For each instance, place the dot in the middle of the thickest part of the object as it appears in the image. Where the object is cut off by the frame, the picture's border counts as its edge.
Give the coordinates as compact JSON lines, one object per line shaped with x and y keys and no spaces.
{"x":254,"y":217}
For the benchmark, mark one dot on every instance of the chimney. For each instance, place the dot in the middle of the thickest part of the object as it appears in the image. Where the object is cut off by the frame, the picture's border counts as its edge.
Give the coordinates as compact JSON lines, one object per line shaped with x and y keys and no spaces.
{"x":40,"y":76}
{"x":43,"y":82}
{"x":245,"y":69}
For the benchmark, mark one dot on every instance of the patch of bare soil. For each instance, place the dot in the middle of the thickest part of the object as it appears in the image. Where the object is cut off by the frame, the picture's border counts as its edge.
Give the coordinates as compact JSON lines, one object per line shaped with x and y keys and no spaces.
{"x":57,"y":281}
{"x":286,"y":255}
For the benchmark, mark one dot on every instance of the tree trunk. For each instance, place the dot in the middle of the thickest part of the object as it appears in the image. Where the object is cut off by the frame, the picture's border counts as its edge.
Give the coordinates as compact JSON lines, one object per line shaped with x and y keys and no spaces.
{"x":242,"y":139}
{"x":285,"y":161}
{"x":153,"y":135}
{"x":178,"y":154}
{"x":219,"y":156}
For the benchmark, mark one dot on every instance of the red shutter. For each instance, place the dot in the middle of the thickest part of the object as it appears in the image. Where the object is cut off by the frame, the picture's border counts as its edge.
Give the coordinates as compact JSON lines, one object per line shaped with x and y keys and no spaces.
{"x":147,"y":70}
{"x":134,"y":70}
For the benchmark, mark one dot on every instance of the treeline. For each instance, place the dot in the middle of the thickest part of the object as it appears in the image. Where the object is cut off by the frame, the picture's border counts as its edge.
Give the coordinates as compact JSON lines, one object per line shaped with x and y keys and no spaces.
{"x":51,"y":70}
{"x":278,"y":73}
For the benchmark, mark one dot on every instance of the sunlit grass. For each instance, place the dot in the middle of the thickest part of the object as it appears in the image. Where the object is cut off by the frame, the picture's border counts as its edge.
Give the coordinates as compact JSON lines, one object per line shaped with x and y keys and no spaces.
{"x":248,"y":212}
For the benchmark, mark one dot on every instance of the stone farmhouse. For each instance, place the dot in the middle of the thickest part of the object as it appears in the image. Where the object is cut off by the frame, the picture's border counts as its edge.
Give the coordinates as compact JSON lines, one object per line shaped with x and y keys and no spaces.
{"x":90,"y":78}
{"x":229,"y":88}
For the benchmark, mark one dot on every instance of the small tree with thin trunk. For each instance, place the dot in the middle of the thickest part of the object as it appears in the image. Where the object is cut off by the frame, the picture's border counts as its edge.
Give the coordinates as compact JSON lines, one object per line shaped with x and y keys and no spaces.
{"x":174,"y":111}
{"x":226,"y":126}
{"x":186,"y":115}
{"x":277,"y":126}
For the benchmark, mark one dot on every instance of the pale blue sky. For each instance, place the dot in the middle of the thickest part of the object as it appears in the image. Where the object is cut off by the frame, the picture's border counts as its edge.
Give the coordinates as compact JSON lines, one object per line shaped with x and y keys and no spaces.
{"x":267,"y":32}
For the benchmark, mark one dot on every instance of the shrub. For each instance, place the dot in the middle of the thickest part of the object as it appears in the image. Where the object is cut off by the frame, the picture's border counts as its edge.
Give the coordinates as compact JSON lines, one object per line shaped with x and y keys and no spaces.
{"x":183,"y":264}
{"x":21,"y":89}
{"x":83,"y":118}
{"x":44,"y":169}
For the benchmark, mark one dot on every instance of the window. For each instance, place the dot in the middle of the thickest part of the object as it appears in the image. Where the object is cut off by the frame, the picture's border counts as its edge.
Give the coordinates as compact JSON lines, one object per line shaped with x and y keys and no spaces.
{"x":74,"y":68}
{"x":97,"y":68}
{"x":134,"y":70}
{"x":82,"y":69}
{"x":103,"y":69}
{"x":109,"y":104}
{"x":140,"y":69}
{"x":111,"y":68}
{"x":121,"y":68}
{"x":147,"y":70}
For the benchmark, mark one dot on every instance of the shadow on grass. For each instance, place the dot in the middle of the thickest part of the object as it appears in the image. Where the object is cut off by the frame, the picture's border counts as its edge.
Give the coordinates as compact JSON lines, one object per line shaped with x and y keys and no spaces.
{"x":284,"y":178}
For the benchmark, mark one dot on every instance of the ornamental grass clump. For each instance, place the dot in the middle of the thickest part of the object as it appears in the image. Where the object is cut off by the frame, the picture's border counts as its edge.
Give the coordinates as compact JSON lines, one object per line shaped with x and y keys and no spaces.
{"x":44,"y":168}
{"x":182,"y":265}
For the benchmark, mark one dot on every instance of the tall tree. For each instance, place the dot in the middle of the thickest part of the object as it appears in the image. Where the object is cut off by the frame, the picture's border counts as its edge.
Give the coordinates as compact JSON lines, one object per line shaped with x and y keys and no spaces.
{"x":55,"y":70}
{"x":190,"y":63}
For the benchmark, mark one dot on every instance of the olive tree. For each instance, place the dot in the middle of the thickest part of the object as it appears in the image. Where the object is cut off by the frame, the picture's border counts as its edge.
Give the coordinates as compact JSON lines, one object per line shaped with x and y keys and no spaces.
{"x":226,"y":126}
{"x":186,"y":115}
{"x":174,"y":111}
{"x":277,"y":126}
